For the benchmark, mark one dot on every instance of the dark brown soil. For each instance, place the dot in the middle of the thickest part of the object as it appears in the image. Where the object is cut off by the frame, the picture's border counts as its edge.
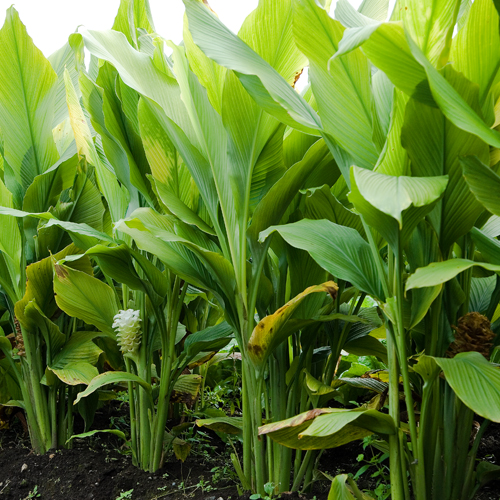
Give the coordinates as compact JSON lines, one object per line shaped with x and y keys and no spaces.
{"x":490,"y":450}
{"x":97,"y":469}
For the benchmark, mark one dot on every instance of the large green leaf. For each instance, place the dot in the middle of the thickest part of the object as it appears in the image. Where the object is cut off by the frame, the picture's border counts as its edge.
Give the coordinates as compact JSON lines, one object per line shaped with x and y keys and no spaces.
{"x":34,"y":318}
{"x":475,"y":381}
{"x":273,"y":206}
{"x":64,"y":58}
{"x":320,"y":203}
{"x":183,"y":249}
{"x":209,"y":73}
{"x":431,"y":25}
{"x":121,"y":143}
{"x":39,"y":284}
{"x":213,"y":140}
{"x":82,"y":234}
{"x":10,"y":238}
{"x":394,"y":158}
{"x":435,"y":146}
{"x":227,"y":425}
{"x":133,"y":15}
{"x":352,"y":18}
{"x":475,"y":51}
{"x":138,"y":71}
{"x":155,"y":123}
{"x":78,"y":348}
{"x":412,"y":198}
{"x":46,"y":188}
{"x":452,"y":104}
{"x":212,"y":338}
{"x":405,"y":64}
{"x":115,"y":195}
{"x":342,"y":89}
{"x":339,"y":250}
{"x":171,"y":199}
{"x":85,"y":297}
{"x":386,"y":46}
{"x":27,"y":92}
{"x":421,"y":250}
{"x":269,"y":89}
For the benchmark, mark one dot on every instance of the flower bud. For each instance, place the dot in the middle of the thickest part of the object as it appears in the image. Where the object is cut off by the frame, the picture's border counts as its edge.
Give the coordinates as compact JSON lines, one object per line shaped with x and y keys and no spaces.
{"x":128,"y":330}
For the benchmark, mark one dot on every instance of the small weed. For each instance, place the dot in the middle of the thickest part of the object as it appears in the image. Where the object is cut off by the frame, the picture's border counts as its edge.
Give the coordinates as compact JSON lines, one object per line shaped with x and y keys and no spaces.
{"x":33,"y":494}
{"x":223,"y":473}
{"x":268,"y":488}
{"x":205,"y":486}
{"x":125,"y":495}
{"x":382,"y":489}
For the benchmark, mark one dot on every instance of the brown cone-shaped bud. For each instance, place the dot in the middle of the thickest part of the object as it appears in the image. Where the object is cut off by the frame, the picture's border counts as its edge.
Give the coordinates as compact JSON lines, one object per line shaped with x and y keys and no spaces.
{"x":473,"y":333}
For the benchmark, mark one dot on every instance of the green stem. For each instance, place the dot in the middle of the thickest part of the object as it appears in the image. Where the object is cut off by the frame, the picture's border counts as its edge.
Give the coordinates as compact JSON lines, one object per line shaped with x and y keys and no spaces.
{"x":401,"y":345}
{"x":71,"y":399}
{"x":133,"y":418}
{"x":53,"y":414}
{"x":468,"y":490}
{"x":426,"y":436}
{"x":302,"y":470}
{"x":260,"y":461}
{"x":40,"y":409}
{"x":247,"y":425}
{"x":378,"y":260}
{"x":395,"y":455}
{"x":169,"y":330}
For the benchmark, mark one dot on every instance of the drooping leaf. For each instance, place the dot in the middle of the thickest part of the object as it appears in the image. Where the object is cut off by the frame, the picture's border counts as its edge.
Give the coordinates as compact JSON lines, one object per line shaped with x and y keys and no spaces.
{"x":111,"y":378}
{"x":227,"y":425}
{"x":440,"y":272}
{"x":273,"y":329}
{"x":118,"y":263}
{"x":483,"y":182}
{"x":83,"y":435}
{"x":186,"y":388}
{"x":327,"y":428}
{"x":76,"y":373}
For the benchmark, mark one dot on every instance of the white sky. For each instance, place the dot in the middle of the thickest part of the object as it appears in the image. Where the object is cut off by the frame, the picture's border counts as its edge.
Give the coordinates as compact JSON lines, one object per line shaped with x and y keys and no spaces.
{"x":50,"y":22}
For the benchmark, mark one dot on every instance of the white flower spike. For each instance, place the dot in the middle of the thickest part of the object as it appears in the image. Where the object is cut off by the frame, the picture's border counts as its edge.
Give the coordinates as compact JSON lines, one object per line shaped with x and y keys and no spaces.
{"x":128,"y":330}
